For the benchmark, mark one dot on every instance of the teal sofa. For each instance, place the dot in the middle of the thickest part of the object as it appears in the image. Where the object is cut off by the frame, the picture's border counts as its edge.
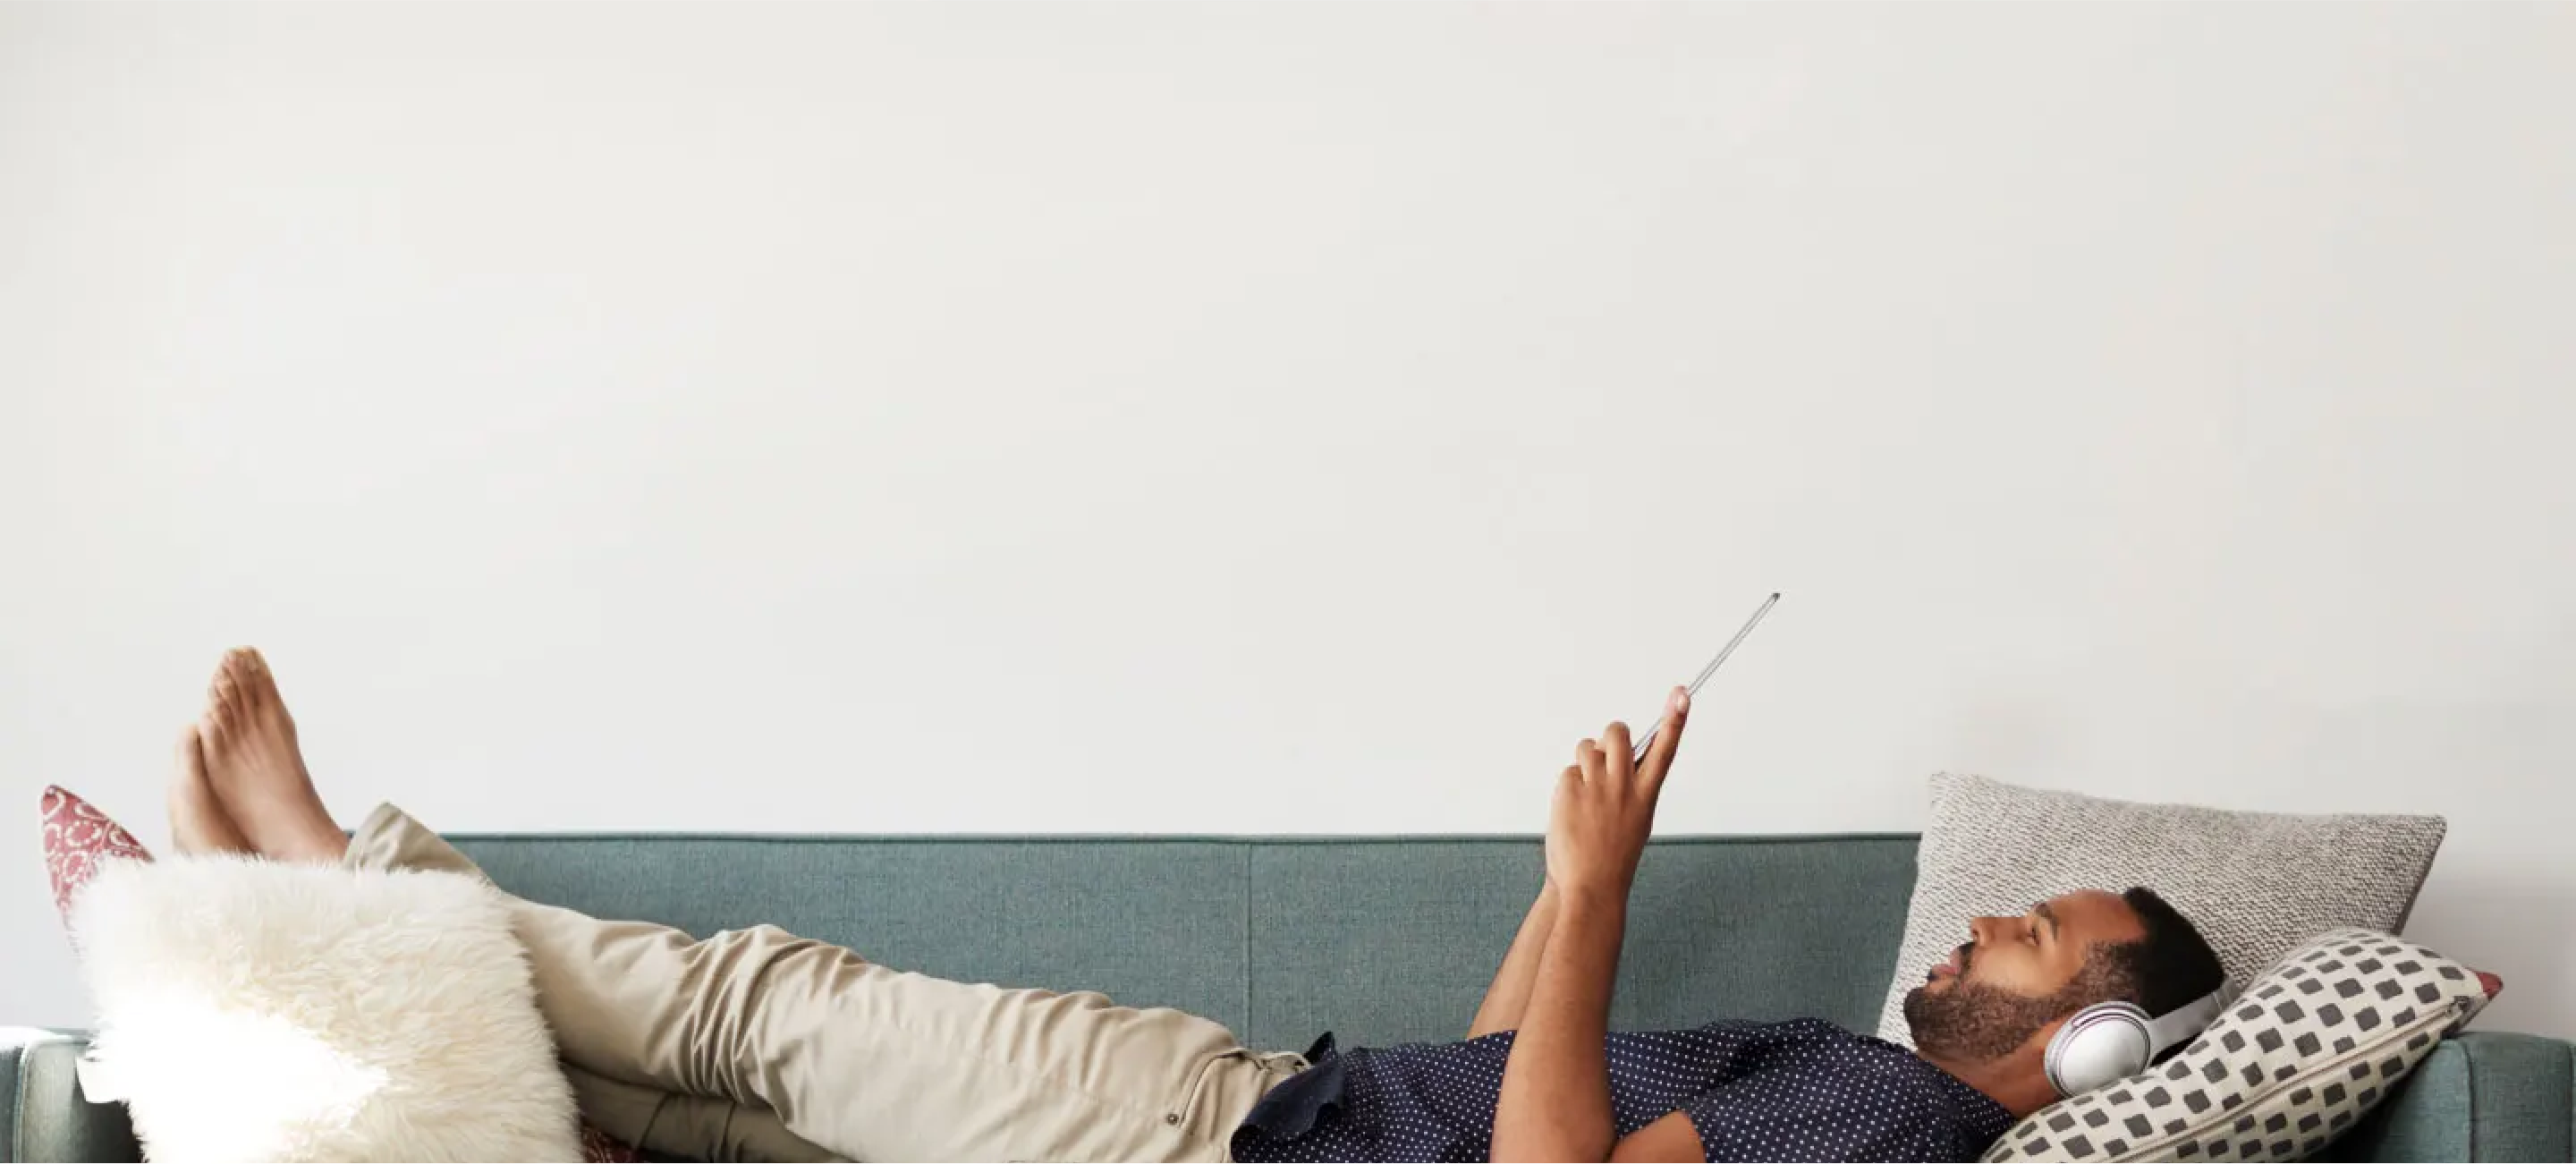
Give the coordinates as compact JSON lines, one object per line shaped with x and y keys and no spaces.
{"x":1379,"y":940}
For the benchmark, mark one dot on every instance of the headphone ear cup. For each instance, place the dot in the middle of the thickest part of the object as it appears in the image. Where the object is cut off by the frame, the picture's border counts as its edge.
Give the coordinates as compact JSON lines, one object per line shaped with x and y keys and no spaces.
{"x":2103,"y":1043}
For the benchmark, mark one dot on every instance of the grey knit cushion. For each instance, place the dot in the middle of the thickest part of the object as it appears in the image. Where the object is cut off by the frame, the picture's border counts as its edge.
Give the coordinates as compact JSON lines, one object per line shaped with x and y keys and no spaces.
{"x":2256,"y":884}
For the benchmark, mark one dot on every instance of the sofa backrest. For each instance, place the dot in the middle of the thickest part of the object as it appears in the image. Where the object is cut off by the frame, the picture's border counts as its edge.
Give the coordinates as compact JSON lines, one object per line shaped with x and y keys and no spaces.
{"x":1380,"y":940}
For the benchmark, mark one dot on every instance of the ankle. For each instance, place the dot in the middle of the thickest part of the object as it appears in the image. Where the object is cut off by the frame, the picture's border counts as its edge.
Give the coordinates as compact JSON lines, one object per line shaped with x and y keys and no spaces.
{"x":318,"y":843}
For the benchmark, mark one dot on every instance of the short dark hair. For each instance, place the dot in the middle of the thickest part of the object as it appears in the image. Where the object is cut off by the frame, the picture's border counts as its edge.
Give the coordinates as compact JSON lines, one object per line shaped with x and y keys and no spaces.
{"x":2172,"y":966}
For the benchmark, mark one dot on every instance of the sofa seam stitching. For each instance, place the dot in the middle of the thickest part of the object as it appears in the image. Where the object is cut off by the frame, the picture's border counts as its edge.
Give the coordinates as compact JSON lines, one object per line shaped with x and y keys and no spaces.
{"x":2472,"y":1076}
{"x":18,"y":1106}
{"x":1247,"y":940}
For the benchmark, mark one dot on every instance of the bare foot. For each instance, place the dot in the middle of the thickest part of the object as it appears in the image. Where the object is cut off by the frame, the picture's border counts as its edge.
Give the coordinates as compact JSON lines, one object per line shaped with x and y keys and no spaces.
{"x":198,"y":824}
{"x":256,"y":770}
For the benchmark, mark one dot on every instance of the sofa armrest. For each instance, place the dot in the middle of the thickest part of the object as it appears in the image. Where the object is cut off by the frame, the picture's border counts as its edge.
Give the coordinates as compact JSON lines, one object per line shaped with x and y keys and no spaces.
{"x":43,"y":1115}
{"x":2481,"y":1096}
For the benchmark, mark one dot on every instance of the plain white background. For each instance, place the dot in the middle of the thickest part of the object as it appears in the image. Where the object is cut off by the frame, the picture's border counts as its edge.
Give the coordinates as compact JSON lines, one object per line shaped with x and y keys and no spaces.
{"x":1084,"y":418}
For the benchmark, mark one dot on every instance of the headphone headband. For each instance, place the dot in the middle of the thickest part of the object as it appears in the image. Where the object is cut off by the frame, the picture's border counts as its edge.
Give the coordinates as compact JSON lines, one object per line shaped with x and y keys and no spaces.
{"x":2181,"y":1024}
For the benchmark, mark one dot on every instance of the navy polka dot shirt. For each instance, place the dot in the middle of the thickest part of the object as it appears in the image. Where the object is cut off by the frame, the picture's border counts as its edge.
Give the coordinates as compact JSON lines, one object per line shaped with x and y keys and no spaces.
{"x":1800,"y":1090}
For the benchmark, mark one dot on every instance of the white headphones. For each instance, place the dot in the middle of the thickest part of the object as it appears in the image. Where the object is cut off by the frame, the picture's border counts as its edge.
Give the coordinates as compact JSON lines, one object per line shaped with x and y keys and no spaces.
{"x":2110,"y":1041}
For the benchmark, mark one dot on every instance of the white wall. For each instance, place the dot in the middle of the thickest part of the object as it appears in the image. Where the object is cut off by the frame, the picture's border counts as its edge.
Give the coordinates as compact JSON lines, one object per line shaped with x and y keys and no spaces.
{"x":1078,"y":418}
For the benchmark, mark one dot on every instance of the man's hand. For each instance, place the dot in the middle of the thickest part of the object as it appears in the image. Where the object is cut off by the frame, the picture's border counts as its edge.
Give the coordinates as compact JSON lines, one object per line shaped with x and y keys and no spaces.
{"x":1555,"y":1100}
{"x":1605,"y":806}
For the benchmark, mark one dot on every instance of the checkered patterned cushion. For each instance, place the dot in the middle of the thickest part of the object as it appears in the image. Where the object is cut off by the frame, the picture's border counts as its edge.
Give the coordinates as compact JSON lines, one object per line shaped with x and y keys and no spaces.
{"x":2310,"y":1047}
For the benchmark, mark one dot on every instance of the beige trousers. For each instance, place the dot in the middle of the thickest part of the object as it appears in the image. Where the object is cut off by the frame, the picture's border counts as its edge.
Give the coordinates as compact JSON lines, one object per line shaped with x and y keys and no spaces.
{"x":755,"y":1044}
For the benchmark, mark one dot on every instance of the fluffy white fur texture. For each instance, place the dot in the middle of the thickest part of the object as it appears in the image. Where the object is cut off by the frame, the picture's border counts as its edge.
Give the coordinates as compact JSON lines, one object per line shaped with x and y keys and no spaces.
{"x":250,"y":1010}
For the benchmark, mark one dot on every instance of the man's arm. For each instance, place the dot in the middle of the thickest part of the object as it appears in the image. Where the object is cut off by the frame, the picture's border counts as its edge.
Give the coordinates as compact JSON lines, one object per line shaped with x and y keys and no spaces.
{"x":1555,"y":1102}
{"x":1509,"y":996}
{"x":1556,"y":1086}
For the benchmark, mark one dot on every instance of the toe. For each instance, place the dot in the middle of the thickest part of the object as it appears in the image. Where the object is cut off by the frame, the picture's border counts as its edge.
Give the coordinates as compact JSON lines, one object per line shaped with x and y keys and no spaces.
{"x":231,"y":692}
{"x":258,"y":683}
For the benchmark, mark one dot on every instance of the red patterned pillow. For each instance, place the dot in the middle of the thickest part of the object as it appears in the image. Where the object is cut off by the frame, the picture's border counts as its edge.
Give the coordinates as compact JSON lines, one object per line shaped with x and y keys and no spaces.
{"x":79,"y":840}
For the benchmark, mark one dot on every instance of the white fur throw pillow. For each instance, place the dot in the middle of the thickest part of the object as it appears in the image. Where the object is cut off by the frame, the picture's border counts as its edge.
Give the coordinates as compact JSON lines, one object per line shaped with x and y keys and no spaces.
{"x":258,"y":1011}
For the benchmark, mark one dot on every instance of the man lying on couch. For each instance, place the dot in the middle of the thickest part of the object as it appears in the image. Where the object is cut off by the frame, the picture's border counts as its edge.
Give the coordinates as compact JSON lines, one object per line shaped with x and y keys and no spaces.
{"x":763,"y":1044}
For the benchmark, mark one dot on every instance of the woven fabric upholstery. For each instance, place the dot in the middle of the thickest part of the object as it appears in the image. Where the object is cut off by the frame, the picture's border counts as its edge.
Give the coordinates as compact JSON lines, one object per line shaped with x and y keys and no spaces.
{"x":2255,"y":884}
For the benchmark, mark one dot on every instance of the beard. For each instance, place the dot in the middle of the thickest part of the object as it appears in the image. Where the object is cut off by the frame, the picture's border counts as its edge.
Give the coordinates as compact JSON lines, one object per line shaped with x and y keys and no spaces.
{"x":1979,"y":1023}
{"x":1976,"y":1022}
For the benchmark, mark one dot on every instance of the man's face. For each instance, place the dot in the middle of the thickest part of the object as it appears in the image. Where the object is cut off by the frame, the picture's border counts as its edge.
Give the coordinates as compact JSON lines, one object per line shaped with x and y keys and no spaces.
{"x":2015,"y":976}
